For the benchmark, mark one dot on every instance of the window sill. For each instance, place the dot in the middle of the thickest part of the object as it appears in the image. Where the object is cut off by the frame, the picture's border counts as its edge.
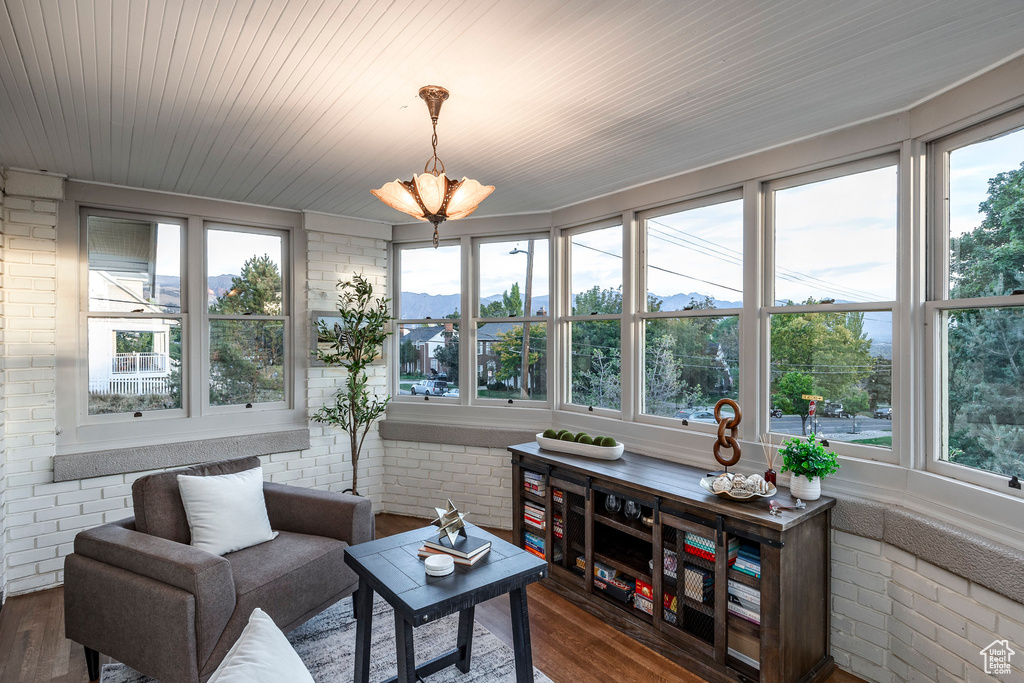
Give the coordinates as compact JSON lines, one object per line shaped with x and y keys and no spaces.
{"x":73,"y":466}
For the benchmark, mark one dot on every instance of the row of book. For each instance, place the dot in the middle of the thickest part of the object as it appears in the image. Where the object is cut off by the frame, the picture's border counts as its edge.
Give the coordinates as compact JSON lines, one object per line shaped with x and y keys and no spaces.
{"x":745,"y":601}
{"x":748,"y":560}
{"x":534,"y":483}
{"x":705,"y":548}
{"x":466,"y":550}
{"x":534,"y":544}
{"x":534,"y":516}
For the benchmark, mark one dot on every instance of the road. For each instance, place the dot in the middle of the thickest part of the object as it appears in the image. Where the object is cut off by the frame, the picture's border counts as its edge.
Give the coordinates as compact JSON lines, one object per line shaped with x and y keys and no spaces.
{"x":841,"y":427}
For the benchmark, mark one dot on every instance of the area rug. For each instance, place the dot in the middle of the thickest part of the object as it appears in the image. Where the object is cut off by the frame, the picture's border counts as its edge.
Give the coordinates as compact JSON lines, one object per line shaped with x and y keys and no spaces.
{"x":326,"y":645}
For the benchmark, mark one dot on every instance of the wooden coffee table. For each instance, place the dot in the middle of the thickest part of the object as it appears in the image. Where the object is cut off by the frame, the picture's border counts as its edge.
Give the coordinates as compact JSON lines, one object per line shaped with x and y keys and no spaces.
{"x":390,"y":566}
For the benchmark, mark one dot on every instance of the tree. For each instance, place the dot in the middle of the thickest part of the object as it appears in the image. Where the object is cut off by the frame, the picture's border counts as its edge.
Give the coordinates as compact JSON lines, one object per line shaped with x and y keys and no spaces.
{"x":508,"y":347}
{"x":600,"y":384}
{"x":879,"y":383}
{"x":247,"y":356}
{"x":856,"y":402}
{"x":447,"y":354}
{"x":662,"y":381}
{"x":789,"y":392}
{"x":354,"y":343}
{"x":408,"y":355}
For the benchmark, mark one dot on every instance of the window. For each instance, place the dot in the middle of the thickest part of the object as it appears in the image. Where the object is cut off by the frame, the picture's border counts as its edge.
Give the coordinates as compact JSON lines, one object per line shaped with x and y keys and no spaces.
{"x":512,"y":315}
{"x":186,"y":319}
{"x":976,"y":302}
{"x":830,"y":303}
{"x":429,"y":320}
{"x":594,"y":260}
{"x":693,"y":273}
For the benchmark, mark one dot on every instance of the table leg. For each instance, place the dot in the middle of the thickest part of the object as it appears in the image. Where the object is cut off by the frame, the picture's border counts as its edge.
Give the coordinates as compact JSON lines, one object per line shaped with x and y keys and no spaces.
{"x":465,"y":642}
{"x":362,"y":603}
{"x":404,"y":648}
{"x":521,"y":636}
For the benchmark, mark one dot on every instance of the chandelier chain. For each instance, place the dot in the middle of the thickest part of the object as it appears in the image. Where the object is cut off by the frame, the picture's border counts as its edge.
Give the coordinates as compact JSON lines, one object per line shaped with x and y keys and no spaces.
{"x":427,"y":168}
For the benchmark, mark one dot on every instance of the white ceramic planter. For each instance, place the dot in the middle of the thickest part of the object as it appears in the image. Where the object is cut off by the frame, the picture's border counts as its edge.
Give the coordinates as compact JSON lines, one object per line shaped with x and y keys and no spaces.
{"x":805,"y":489}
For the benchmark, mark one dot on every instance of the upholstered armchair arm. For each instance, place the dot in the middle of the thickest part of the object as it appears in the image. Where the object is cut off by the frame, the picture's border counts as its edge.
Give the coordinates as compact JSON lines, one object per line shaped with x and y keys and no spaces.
{"x":204,"y":575}
{"x":319,"y":513}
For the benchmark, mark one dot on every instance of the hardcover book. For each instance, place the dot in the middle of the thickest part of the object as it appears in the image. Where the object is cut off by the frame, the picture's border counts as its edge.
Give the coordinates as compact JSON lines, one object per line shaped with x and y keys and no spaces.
{"x":465,"y":546}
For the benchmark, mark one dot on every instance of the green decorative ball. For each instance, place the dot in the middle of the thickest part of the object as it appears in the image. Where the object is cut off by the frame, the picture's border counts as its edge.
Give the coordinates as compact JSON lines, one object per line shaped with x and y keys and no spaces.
{"x":567,"y":437}
{"x":585,"y":439}
{"x":550,"y":434}
{"x":580,"y":435}
{"x":608,"y":442}
{"x":563,"y":432}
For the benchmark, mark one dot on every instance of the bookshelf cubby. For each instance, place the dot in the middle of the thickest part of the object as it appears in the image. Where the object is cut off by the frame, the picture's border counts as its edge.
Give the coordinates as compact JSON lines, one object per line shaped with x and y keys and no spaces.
{"x":738,"y":594}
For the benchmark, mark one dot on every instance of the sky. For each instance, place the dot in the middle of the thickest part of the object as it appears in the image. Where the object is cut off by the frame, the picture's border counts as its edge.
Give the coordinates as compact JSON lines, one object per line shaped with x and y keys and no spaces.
{"x":227,"y":250}
{"x":970,"y":169}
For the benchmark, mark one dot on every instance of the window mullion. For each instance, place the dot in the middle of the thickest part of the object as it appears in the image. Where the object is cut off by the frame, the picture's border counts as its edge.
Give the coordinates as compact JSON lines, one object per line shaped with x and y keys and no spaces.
{"x":196,"y":354}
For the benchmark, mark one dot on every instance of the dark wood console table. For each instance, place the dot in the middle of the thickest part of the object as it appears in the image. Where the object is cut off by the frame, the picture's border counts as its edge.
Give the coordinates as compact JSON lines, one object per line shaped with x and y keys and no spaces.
{"x":698,"y":536}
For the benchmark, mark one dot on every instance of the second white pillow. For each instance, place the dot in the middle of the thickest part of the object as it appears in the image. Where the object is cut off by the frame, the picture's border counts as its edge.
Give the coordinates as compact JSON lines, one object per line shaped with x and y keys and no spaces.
{"x":226,"y":512}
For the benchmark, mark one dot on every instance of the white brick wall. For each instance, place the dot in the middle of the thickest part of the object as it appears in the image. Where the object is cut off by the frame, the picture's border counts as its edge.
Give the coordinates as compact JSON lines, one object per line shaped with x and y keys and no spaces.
{"x":419,"y":476}
{"x":896,"y":618}
{"x":40,"y":518}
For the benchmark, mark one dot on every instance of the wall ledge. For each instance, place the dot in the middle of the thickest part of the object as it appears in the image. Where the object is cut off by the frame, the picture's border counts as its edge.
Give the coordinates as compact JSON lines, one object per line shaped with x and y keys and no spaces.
{"x":995,"y":566}
{"x":483,"y":437}
{"x":74,"y":466}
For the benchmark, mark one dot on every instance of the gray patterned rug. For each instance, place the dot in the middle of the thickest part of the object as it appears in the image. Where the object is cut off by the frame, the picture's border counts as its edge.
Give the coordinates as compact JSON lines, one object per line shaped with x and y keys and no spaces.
{"x":326,"y":645}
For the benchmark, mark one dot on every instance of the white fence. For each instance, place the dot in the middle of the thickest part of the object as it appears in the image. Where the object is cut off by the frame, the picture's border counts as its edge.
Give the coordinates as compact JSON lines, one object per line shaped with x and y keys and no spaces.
{"x":130,"y":363}
{"x":131,"y":385}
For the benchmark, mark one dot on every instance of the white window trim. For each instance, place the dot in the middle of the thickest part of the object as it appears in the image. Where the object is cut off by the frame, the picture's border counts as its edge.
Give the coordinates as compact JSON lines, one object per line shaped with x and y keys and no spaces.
{"x":77,"y":431}
{"x":938,"y":301}
{"x":769,"y":307}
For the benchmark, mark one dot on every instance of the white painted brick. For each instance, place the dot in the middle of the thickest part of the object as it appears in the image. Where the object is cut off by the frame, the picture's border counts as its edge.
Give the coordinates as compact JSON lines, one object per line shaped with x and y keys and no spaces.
{"x":968,"y":608}
{"x":998,"y":603}
{"x":943,"y":578}
{"x":940,"y":615}
{"x":942,"y":657}
{"x":915,"y":582}
{"x":867,"y":545}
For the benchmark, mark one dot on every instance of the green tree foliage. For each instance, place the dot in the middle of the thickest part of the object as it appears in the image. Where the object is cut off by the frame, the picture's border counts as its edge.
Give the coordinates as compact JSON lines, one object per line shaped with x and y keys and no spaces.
{"x":509,"y":349}
{"x":133,"y":341}
{"x":408,"y":355}
{"x":879,"y":384}
{"x":510,"y":305}
{"x":447,"y":355}
{"x":789,"y":391}
{"x":247,"y":356}
{"x":354,"y":343}
{"x":856,"y":402}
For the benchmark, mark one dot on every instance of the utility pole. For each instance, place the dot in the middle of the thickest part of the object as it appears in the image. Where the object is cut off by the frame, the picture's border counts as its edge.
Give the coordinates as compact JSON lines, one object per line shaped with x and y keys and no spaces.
{"x":527,"y":309}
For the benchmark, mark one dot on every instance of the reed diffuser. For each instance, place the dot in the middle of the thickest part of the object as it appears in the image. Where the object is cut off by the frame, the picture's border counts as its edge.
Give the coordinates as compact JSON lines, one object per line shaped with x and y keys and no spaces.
{"x":769,"y":457}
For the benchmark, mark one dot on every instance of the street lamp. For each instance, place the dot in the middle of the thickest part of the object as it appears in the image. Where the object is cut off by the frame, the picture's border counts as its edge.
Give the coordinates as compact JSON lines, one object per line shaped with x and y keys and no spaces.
{"x":527,"y":306}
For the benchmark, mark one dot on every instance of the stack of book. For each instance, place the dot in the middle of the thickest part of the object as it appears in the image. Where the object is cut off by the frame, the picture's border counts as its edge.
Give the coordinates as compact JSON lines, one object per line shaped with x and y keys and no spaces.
{"x":744,"y":601}
{"x":559,"y":528}
{"x":748,"y":560}
{"x":533,"y":515}
{"x":534,"y":483}
{"x":696,"y":544}
{"x":467,"y":550}
{"x":557,"y":495}
{"x":534,"y":545}
{"x":699,"y":584}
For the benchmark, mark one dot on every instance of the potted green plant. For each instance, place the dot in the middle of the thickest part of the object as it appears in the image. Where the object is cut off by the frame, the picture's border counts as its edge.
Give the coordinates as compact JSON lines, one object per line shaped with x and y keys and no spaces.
{"x":809,"y":463}
{"x":353,"y":344}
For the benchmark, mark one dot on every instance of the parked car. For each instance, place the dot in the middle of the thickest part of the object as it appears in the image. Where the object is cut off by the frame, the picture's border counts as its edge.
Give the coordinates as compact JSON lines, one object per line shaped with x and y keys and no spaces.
{"x":451,"y":393}
{"x":776,"y":412}
{"x":429,"y":387}
{"x":833,"y":410}
{"x":883,"y":413}
{"x":696,"y":415}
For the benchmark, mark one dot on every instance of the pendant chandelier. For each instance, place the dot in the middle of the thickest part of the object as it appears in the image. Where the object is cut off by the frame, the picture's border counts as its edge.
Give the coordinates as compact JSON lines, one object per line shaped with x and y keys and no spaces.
{"x":434,"y":197}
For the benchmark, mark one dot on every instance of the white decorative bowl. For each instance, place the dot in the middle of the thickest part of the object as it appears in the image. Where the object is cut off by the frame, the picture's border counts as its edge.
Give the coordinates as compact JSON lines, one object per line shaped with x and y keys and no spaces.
{"x":741,"y":496}
{"x":573,"y":448}
{"x":439,"y":565}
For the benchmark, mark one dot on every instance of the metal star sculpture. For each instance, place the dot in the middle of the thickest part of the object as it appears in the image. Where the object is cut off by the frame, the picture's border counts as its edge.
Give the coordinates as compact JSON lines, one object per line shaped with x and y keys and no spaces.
{"x":450,"y":522}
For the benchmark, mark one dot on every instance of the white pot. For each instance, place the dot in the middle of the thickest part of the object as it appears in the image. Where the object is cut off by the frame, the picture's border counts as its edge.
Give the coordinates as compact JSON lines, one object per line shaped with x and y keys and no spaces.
{"x":803,"y":488}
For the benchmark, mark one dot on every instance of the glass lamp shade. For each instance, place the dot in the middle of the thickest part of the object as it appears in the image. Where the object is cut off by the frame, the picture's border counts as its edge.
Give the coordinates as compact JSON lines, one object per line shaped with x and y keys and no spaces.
{"x":433,"y":190}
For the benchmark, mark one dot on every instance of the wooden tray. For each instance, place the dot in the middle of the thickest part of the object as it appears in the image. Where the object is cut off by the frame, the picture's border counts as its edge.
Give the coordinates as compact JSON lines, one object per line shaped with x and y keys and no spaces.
{"x":573,"y":448}
{"x":737,"y":496}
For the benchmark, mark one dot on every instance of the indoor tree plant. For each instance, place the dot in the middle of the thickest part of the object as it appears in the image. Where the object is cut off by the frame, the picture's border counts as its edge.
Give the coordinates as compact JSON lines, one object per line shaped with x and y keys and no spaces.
{"x":809,"y":463}
{"x":353,"y":344}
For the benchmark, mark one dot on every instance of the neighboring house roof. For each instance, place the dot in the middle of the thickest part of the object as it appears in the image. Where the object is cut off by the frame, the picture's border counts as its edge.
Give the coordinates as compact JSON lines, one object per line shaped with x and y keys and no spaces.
{"x":490,"y":331}
{"x":423,"y":334}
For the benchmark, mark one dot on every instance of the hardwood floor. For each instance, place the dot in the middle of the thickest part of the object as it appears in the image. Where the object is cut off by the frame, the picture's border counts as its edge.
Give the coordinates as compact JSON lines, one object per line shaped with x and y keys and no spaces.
{"x":569,"y":645}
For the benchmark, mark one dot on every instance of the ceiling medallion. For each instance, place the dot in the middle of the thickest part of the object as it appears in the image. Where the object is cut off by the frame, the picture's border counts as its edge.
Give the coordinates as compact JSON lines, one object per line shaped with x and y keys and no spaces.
{"x":433,"y":196}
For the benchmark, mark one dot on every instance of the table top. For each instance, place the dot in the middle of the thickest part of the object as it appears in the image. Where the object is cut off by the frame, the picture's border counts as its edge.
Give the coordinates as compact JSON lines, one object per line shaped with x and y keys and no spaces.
{"x":663,"y":478}
{"x":391,"y":567}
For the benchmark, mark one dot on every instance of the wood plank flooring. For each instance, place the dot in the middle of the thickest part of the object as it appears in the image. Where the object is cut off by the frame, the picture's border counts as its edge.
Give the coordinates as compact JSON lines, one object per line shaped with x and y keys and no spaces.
{"x":569,"y":645}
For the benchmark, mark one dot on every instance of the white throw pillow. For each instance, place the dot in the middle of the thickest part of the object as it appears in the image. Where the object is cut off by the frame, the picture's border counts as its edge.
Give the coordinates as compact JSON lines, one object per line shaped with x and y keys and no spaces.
{"x":226,"y":512}
{"x":261,"y":655}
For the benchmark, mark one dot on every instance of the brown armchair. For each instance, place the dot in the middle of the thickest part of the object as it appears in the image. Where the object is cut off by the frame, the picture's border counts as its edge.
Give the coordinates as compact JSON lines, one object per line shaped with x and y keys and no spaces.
{"x":138,"y":592}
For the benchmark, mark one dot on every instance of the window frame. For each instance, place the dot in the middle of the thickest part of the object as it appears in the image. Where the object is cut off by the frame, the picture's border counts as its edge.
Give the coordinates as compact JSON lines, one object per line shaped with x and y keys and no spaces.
{"x":76,"y":431}
{"x":399,"y":321}
{"x":566,"y":318}
{"x":476,"y":319}
{"x":643,"y":315}
{"x":938,"y":299}
{"x":768,"y":306}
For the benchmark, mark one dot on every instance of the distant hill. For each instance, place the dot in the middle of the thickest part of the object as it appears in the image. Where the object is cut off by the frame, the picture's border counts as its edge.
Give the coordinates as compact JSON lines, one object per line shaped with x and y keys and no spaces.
{"x":170,"y":286}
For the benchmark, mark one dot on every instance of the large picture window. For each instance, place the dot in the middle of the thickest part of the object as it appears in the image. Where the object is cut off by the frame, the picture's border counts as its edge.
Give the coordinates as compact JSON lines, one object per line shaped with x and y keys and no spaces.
{"x":833,"y":289}
{"x":594,"y":260}
{"x":977,"y":300}
{"x":430,"y":320}
{"x":693,"y":274}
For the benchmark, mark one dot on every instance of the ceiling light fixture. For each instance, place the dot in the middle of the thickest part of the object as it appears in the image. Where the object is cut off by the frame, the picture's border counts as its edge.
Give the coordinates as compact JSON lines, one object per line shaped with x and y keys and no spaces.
{"x":433,"y":196}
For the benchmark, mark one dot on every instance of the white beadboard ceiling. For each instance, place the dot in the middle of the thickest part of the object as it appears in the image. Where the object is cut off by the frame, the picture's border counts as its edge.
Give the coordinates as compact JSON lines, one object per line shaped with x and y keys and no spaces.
{"x":310,"y":104}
